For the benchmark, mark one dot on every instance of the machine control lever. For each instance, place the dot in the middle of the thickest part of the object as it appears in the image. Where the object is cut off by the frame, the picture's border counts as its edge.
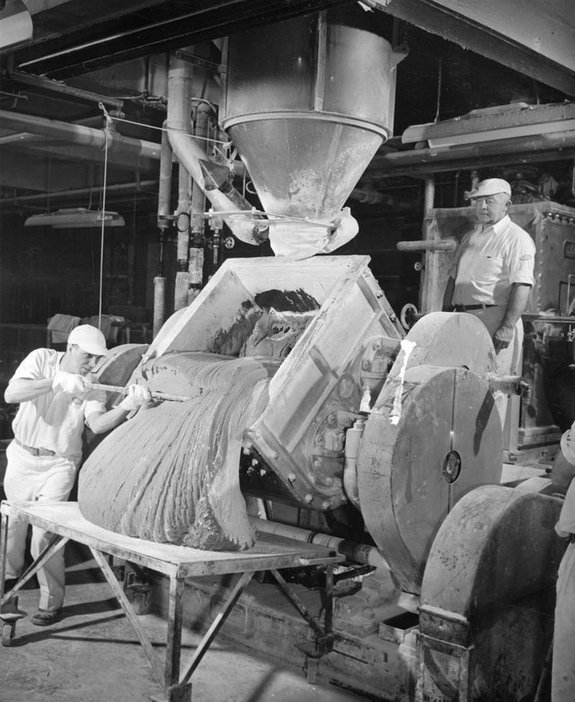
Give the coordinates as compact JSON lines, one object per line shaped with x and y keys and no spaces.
{"x":509,"y":384}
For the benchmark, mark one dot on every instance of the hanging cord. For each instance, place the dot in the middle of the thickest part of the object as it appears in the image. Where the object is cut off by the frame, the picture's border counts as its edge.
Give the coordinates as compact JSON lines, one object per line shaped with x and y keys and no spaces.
{"x":103,"y":211}
{"x":209,"y":140}
{"x":439,"y":81}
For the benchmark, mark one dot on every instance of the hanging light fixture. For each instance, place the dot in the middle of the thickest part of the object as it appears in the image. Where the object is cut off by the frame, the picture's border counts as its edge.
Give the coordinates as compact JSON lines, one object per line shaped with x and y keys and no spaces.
{"x":76,"y":218}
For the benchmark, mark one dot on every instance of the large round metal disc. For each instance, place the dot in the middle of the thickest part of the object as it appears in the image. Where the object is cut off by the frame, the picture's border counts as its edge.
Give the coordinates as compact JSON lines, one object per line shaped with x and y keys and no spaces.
{"x":447,"y":440}
{"x":449,"y":340}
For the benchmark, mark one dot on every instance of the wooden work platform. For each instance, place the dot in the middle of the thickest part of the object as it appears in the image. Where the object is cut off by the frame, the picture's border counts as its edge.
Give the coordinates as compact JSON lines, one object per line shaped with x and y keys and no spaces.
{"x":270,"y":553}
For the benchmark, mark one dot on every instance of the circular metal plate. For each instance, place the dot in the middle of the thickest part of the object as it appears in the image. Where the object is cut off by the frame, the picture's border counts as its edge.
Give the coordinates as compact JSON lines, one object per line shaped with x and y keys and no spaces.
{"x":447,"y":440}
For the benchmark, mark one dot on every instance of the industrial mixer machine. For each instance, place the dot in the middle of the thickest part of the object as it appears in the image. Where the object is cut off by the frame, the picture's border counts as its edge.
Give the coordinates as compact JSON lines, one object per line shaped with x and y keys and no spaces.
{"x":382,"y":443}
{"x":389,"y":444}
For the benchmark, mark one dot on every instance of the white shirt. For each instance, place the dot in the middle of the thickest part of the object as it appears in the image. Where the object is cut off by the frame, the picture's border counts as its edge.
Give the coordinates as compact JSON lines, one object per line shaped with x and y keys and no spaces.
{"x":490,"y":261}
{"x":53,"y":420}
{"x":566,"y":523}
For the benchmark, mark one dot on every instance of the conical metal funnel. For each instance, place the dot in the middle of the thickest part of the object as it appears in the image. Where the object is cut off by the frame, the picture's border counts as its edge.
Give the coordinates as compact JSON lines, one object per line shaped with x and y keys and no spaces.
{"x":307,"y":104}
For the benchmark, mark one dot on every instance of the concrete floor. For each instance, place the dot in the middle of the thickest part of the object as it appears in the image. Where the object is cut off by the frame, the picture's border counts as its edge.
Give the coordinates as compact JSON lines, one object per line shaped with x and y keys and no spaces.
{"x":93,"y":654}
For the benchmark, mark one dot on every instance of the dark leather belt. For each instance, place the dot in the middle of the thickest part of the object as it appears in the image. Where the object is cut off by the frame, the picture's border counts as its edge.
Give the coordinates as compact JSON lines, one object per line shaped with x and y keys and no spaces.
{"x":464,"y":308}
{"x":35,"y":451}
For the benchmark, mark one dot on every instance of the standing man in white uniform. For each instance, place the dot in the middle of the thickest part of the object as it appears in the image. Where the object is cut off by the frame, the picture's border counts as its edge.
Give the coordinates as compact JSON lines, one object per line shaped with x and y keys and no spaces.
{"x":56,"y":401}
{"x":563,"y":668}
{"x":493,"y":275}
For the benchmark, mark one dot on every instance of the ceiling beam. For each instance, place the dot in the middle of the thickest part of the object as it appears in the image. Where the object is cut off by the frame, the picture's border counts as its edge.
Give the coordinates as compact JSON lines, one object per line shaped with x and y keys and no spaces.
{"x":110,"y":42}
{"x":540,"y":45}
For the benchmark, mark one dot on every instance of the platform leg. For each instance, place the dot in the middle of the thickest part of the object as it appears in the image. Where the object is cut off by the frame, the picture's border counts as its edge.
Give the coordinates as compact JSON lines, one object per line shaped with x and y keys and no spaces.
{"x":130,"y":614}
{"x":55,"y":544}
{"x":176,"y":692}
{"x":218,"y":622}
{"x":3,"y":544}
{"x":323,"y":635}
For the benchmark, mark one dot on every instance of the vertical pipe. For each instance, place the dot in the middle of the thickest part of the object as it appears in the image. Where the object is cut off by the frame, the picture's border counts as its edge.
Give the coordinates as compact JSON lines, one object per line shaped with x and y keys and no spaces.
{"x":165,"y":185}
{"x":164,"y":196}
{"x":198,"y":207}
{"x":428,"y":196}
{"x":183,"y":217}
{"x":183,"y":224}
{"x":159,"y":303}
{"x":321,"y":58}
{"x":190,"y":153}
{"x":431,"y":295}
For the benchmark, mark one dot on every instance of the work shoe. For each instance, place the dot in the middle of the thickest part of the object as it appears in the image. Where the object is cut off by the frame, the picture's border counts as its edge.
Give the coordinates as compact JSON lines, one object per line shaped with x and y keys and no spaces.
{"x":10,"y":607}
{"x":45,"y":617}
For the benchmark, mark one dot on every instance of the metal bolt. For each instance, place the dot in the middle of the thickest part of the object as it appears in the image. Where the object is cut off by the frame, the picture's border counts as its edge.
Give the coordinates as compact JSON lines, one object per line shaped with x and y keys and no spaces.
{"x":325,"y":505}
{"x":292,"y":477}
{"x":308,"y":498}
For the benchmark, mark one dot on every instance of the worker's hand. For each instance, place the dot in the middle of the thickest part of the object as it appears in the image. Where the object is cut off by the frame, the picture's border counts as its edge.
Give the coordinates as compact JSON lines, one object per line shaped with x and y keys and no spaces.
{"x":137,"y":396}
{"x":70,"y":383}
{"x":503,"y":337}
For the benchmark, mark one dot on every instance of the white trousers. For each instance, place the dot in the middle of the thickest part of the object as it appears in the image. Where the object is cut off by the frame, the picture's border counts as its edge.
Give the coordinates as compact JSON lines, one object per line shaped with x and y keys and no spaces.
{"x":563,"y":673}
{"x":45,"y":479}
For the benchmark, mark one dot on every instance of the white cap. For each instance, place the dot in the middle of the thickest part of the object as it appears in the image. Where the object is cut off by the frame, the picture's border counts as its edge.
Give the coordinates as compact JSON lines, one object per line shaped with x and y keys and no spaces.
{"x":491,"y":186}
{"x":89,"y":339}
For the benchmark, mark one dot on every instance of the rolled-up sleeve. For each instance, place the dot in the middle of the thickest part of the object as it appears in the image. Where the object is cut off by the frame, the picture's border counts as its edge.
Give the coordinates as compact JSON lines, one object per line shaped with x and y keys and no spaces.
{"x":522,"y":260}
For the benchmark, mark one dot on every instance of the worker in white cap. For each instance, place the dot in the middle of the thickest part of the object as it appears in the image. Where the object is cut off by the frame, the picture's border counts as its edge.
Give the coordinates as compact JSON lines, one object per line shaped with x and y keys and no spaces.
{"x":563,"y":665}
{"x":53,"y":389}
{"x":492,"y":275}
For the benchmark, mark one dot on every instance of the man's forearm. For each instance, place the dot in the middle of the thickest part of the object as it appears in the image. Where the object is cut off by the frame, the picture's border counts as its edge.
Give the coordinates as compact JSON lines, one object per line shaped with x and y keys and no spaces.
{"x":24,"y":389}
{"x":562,"y":473}
{"x":100,"y":422}
{"x":516,"y":304}
{"x":448,"y":295}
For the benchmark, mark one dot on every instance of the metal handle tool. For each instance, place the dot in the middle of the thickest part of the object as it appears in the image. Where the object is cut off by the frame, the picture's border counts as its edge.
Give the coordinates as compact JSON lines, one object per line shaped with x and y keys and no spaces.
{"x":156,"y":395}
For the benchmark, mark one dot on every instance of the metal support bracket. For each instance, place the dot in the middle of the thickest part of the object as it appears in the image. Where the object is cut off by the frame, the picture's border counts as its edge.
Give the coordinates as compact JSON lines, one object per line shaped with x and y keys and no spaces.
{"x":427,"y":648}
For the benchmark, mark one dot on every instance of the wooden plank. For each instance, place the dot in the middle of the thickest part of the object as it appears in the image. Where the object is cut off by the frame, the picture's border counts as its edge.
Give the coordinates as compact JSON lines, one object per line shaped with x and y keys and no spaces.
{"x":270,"y":550}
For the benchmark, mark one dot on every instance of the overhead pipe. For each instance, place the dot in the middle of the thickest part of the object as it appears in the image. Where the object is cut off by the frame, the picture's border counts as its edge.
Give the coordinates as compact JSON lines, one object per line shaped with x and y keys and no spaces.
{"x":190,"y":153}
{"x":132,"y":148}
{"x":504,"y":151}
{"x":371,"y":196}
{"x":413,"y":163}
{"x":79,"y":192}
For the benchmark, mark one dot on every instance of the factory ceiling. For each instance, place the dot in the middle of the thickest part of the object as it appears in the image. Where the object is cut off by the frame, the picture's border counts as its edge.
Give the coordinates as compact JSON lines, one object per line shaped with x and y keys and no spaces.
{"x":86,"y":58}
